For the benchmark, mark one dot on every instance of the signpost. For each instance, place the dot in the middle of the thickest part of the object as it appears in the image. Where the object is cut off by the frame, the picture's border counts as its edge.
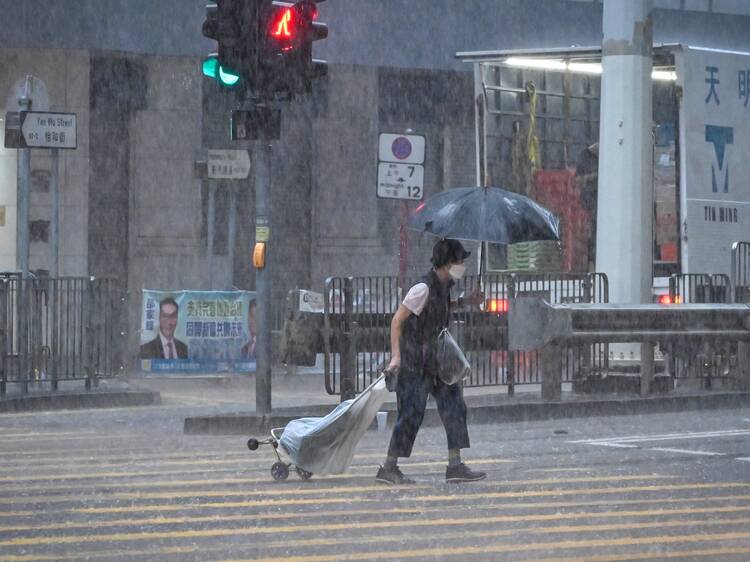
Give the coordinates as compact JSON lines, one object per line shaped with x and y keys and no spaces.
{"x":28,"y":125}
{"x":401,"y":176}
{"x":401,"y":167}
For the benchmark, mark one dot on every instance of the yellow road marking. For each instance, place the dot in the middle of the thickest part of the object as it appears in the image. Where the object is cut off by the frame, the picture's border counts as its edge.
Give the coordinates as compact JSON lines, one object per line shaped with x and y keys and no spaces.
{"x":277,"y":502}
{"x":132,"y":474}
{"x":191,"y":549}
{"x":4,"y":436}
{"x":79,"y":437}
{"x":499,"y":549}
{"x":626,"y":557}
{"x":147,"y":456}
{"x":496,"y":533}
{"x":369,"y":526}
{"x":279,"y":491}
{"x":237,"y":505}
{"x":384,"y":512}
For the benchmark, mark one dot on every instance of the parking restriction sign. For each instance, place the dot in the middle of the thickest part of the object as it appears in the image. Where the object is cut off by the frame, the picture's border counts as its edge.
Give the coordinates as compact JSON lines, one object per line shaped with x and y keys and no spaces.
{"x":406,"y":149}
{"x":400,"y":167}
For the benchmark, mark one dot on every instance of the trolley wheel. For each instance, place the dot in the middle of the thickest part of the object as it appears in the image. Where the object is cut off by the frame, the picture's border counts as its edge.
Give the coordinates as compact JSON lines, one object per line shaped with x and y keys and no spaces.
{"x":280,"y":471}
{"x":302,"y":473}
{"x":252,"y":444}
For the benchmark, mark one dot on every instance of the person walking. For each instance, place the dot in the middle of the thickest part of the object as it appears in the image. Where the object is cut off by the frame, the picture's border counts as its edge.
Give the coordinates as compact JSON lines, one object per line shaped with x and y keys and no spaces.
{"x":415,"y":327}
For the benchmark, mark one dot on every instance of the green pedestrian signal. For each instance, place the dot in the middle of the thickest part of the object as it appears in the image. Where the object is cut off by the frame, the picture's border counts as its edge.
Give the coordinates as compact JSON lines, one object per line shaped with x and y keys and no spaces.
{"x":224,"y":76}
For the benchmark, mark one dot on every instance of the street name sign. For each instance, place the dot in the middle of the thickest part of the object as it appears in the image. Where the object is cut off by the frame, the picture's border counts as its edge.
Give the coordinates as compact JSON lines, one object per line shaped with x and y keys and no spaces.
{"x":400,"y":166}
{"x":227,"y":164}
{"x":42,"y":129}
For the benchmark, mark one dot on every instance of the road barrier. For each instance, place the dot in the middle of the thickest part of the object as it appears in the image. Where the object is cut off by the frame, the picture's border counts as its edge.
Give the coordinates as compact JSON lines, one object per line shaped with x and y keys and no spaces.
{"x":353,"y":331}
{"x":59,"y":329}
{"x":535,"y":324}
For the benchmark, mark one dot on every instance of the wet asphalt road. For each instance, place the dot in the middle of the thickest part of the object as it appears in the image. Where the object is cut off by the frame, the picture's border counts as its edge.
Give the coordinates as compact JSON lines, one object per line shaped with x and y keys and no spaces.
{"x":127,"y":485}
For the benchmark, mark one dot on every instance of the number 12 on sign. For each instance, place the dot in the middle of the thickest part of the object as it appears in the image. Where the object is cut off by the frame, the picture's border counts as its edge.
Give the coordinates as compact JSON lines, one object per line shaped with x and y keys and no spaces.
{"x":400,"y":181}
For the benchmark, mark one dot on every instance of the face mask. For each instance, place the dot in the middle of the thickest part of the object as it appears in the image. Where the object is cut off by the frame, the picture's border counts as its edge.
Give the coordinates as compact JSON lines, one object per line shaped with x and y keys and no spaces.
{"x":457,"y":271}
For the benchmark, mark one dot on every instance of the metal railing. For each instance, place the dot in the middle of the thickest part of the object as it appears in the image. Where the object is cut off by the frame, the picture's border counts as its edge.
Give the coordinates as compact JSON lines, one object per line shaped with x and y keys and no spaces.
{"x":700,"y":288}
{"x":358,"y":312}
{"x":535,"y":323}
{"x":741,"y":271}
{"x":59,"y":329}
{"x":705,"y":361}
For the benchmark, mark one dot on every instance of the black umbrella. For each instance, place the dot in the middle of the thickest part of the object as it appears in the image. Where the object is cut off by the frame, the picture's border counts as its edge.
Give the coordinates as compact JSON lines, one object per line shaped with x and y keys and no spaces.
{"x":486,"y":214}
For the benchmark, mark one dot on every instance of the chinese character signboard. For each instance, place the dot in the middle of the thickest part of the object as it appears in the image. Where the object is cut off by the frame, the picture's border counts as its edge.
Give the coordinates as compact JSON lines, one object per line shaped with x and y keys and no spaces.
{"x":715,"y":167}
{"x":198,"y":332}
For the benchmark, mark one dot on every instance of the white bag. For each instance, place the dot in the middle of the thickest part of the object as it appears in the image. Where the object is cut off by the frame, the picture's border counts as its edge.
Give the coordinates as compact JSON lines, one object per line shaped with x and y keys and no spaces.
{"x":326,"y":445}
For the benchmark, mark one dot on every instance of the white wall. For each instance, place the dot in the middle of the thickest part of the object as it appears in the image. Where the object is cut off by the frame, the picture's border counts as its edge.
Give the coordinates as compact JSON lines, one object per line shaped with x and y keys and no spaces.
{"x":7,"y":200}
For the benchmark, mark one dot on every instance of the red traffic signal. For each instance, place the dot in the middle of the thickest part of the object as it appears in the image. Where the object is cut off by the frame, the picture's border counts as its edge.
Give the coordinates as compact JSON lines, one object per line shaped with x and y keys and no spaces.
{"x":284,"y":27}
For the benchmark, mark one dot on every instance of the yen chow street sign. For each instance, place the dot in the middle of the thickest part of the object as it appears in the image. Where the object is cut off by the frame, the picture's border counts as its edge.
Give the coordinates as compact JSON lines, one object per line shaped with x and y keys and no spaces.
{"x":41,"y":129}
{"x":228,"y":164}
{"x":401,"y":166}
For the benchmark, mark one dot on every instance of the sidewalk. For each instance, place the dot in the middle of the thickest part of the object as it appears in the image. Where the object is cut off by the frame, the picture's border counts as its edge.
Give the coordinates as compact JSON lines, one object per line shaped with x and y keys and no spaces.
{"x":72,"y":395}
{"x":303,"y":395}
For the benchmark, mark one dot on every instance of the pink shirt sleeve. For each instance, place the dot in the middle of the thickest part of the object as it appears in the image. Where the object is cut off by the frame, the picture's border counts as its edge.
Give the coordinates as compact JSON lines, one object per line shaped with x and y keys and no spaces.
{"x":416,"y":298}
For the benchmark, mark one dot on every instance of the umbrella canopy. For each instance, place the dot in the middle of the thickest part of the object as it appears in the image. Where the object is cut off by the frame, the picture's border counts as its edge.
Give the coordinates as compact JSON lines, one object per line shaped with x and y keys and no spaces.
{"x":486,"y":214}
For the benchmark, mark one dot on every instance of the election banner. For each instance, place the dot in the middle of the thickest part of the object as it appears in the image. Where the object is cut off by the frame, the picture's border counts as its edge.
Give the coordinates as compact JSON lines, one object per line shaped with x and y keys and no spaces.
{"x":715,"y":168}
{"x":198,"y":332}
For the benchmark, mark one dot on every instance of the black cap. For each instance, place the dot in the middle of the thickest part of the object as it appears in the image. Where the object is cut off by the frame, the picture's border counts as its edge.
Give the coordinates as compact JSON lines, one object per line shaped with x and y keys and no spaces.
{"x":448,"y":251}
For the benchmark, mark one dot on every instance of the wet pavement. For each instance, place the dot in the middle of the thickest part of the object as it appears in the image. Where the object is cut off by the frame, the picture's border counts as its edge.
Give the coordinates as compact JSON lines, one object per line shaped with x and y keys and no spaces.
{"x":127,"y":484}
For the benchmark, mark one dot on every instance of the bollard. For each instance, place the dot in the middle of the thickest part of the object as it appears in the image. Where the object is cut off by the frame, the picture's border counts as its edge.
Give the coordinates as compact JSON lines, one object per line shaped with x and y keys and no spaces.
{"x":552,"y":372}
{"x":647,"y":368}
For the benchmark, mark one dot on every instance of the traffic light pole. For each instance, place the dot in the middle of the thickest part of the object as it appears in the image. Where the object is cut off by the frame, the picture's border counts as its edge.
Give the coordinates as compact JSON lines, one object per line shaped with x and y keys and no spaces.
{"x":262,"y":176}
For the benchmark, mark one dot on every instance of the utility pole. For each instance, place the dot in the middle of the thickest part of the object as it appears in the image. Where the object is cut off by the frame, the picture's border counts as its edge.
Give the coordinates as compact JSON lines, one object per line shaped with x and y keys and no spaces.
{"x":624,"y":237}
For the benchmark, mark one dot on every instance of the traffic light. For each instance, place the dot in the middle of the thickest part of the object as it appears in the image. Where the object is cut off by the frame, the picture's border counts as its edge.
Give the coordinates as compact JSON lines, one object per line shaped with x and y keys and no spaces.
{"x":288,"y":31}
{"x":224,"y":24}
{"x":264,"y":46}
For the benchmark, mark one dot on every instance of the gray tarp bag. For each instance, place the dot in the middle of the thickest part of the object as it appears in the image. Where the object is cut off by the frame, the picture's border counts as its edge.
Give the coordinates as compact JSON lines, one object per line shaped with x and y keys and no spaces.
{"x":452,"y":363}
{"x":326,"y":445}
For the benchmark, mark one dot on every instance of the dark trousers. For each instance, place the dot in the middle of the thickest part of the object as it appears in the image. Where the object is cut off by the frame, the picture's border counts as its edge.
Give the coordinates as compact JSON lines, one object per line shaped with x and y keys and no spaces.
{"x":411,"y":395}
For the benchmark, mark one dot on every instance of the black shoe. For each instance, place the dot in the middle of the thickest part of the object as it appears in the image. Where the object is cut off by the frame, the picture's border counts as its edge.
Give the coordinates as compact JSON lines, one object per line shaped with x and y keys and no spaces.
{"x":462,"y":473}
{"x":394,"y":476}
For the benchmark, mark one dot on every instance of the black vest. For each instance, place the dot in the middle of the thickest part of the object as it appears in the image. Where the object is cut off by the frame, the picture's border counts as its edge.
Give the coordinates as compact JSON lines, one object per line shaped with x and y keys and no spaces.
{"x":418,"y":344}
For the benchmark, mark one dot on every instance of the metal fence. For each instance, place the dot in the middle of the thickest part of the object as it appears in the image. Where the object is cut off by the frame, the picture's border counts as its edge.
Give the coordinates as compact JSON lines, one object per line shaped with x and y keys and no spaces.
{"x":61,"y":329}
{"x":741,"y":271}
{"x":696,"y":288}
{"x":709,"y":361}
{"x":358,"y":312}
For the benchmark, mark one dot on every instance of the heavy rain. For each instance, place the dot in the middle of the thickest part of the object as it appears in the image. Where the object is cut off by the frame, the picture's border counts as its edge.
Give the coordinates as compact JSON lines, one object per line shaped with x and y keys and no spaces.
{"x":374,"y":280}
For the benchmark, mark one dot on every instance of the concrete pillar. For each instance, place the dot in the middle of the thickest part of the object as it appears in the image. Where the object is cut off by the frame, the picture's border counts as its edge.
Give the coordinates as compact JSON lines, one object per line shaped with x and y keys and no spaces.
{"x":625,"y":233}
